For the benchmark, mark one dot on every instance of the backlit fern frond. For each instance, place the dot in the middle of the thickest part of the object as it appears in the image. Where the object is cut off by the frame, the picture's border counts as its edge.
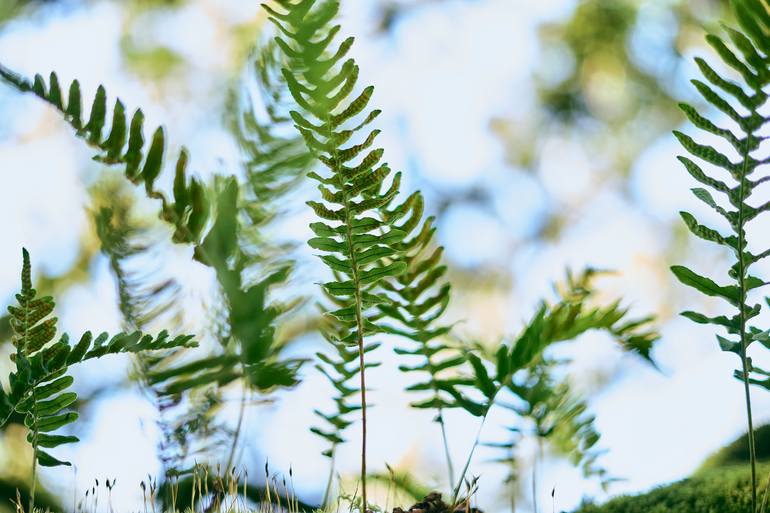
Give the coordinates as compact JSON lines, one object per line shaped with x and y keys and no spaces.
{"x":734,"y":179}
{"x":144,"y":297}
{"x":251,"y":316}
{"x":125,"y":146}
{"x":38,"y":388}
{"x":358,"y":234}
{"x":276,"y":157}
{"x":563,"y":321}
{"x":419,"y":297}
{"x":559,"y":418}
{"x":147,"y":298}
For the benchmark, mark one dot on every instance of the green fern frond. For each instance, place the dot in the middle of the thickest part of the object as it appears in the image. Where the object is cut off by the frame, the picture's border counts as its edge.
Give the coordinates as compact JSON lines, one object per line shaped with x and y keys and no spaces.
{"x":735,"y":181}
{"x":419,"y":300}
{"x":276,"y":157}
{"x":125,"y":145}
{"x":564,"y":321}
{"x":38,"y":388}
{"x":559,"y":418}
{"x":340,"y":369}
{"x":358,"y":235}
{"x":251,"y":317}
{"x":147,"y":298}
{"x":754,"y":69}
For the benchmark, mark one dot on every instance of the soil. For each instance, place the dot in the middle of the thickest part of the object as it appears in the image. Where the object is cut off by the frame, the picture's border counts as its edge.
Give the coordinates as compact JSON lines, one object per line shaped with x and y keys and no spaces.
{"x":433,"y":503}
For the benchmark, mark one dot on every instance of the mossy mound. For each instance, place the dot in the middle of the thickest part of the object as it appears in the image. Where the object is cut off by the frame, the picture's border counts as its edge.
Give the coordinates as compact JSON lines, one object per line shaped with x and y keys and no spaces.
{"x":737,"y":452}
{"x":721,"y":485}
{"x":721,"y":490}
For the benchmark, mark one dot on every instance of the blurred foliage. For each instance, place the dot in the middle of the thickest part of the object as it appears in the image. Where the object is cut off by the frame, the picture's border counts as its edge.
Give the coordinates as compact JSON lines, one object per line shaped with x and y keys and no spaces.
{"x":612,"y":72}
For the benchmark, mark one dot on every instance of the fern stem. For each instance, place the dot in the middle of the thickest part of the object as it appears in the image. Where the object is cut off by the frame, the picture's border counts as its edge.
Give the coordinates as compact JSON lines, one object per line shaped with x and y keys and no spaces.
{"x":440,"y":415}
{"x":33,"y":404}
{"x":33,"y":486}
{"x":359,"y":332}
{"x":512,"y":491}
{"x":742,"y":269}
{"x":330,"y":479}
{"x":456,"y":491}
{"x":535,"y":463}
{"x":238,"y":427}
{"x":360,"y":329}
{"x":450,"y":468}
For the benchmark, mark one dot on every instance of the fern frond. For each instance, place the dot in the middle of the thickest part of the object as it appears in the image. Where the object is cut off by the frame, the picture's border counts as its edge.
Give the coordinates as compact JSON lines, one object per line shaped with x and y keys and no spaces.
{"x":733,"y":180}
{"x":125,"y":145}
{"x":146,"y":298}
{"x":745,"y":55}
{"x":38,"y":388}
{"x":340,"y":369}
{"x":420,"y":298}
{"x":276,"y":157}
{"x":360,"y":241}
{"x":251,"y":318}
{"x":559,"y":417}
{"x":564,"y":321}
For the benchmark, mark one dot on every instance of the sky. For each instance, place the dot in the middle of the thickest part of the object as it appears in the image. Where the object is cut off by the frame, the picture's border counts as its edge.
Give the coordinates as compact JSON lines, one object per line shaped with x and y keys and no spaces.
{"x":442,"y":75}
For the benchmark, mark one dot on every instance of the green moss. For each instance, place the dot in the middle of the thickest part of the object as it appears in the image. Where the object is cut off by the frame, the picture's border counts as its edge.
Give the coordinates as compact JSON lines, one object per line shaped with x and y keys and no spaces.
{"x":719,"y":490}
{"x":737,"y":452}
{"x":721,"y":485}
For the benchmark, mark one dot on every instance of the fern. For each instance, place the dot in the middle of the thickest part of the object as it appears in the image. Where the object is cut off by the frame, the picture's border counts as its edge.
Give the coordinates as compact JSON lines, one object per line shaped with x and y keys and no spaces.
{"x":562,"y":322}
{"x":420,"y":297}
{"x":125,"y":145}
{"x":38,"y":388}
{"x":340,"y":368}
{"x":276,"y":158}
{"x":734,"y":179}
{"x":250,"y":349}
{"x":232,"y":245}
{"x":147,"y":298}
{"x":558,"y":417}
{"x":359,"y":234}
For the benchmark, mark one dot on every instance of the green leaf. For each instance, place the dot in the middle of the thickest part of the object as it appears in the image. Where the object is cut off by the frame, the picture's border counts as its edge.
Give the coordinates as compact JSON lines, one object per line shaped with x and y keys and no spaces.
{"x":378,"y":273}
{"x":730,"y":324}
{"x":46,"y":460}
{"x":705,"y":285}
{"x":55,"y":422}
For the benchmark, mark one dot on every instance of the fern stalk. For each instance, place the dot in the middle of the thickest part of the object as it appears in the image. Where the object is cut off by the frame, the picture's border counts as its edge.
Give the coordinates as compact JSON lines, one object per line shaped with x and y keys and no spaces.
{"x":445,"y":441}
{"x":359,"y":321}
{"x":238,"y":427}
{"x":742,"y":309}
